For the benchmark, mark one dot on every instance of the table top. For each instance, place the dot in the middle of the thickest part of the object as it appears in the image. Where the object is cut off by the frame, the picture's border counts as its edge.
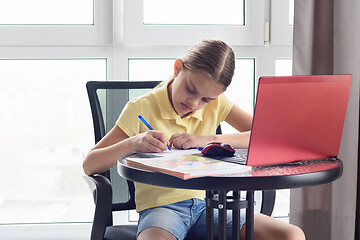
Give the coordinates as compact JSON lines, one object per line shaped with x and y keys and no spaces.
{"x":293,"y":175}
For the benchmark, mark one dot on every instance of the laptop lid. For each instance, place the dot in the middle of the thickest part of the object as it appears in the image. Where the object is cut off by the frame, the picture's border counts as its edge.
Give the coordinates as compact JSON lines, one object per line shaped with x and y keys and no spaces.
{"x":298,"y":118}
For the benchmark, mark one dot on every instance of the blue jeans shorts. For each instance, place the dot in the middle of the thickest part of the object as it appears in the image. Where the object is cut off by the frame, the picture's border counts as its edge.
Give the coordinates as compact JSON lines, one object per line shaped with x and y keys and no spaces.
{"x":183,"y":219}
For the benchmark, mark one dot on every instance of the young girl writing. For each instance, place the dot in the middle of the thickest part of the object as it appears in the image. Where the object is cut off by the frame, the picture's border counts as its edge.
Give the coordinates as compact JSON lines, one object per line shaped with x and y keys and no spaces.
{"x":185,"y":112}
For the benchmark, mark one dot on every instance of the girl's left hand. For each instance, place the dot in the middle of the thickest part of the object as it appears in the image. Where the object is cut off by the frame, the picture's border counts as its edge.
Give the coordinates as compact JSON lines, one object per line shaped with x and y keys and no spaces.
{"x":187,"y":140}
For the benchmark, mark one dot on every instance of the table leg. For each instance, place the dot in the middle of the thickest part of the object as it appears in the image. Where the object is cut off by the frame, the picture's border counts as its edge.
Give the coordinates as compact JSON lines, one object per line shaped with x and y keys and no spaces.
{"x":236,"y":217}
{"x":222,"y":215}
{"x":209,"y":215}
{"x":249,"y":230}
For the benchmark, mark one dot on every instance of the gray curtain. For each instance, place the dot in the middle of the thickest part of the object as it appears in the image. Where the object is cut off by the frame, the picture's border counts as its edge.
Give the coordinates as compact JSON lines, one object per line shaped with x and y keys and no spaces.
{"x":327,"y":41}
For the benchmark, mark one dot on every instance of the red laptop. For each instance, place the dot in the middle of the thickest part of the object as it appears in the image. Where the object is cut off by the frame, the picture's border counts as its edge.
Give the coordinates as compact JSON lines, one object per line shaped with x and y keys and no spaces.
{"x":298,"y":118}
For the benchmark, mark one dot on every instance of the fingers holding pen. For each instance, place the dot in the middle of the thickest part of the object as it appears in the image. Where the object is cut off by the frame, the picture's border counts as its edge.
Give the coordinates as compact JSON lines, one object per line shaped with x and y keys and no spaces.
{"x":151,"y":141}
{"x":162,"y":139}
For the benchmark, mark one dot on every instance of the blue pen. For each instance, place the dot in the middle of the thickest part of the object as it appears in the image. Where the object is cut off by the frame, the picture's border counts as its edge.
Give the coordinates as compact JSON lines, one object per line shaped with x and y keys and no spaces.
{"x":149,"y":127}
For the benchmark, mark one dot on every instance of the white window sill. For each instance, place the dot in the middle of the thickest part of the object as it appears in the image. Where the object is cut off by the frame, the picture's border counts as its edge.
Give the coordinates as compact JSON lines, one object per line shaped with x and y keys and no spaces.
{"x":61,"y":231}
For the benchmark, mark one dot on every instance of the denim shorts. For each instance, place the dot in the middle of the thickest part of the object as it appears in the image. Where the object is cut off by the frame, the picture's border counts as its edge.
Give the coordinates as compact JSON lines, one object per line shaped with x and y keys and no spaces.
{"x":184,"y":219}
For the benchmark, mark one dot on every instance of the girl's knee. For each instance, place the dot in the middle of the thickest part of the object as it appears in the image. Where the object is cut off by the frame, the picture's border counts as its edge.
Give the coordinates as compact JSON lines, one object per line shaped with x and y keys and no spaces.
{"x":155,"y":233}
{"x":269,"y":228}
{"x":290,"y":232}
{"x":294,"y":233}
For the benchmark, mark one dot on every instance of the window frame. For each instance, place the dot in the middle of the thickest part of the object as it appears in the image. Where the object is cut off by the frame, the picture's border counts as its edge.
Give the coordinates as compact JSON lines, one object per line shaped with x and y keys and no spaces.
{"x":46,"y":231}
{"x":135,"y":32}
{"x":281,"y":32}
{"x":99,"y":33}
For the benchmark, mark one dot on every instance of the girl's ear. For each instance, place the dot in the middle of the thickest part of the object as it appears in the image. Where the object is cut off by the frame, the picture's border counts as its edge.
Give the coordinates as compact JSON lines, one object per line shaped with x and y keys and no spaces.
{"x":178,"y":66}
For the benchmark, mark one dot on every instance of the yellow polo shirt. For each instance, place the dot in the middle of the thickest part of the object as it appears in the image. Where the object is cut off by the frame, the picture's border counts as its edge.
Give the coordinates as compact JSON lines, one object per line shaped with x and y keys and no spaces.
{"x":156,"y":109}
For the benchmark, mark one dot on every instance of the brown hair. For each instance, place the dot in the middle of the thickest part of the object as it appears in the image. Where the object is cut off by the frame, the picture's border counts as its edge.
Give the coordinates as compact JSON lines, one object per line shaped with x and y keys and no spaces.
{"x":212,"y":57}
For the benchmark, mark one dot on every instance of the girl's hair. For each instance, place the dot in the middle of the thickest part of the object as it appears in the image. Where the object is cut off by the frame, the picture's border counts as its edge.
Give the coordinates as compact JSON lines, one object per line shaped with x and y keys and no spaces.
{"x":212,"y":57}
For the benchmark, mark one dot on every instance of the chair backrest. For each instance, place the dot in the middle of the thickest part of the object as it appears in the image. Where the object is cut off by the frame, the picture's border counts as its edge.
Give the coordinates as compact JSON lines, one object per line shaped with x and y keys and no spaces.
{"x":107,"y":99}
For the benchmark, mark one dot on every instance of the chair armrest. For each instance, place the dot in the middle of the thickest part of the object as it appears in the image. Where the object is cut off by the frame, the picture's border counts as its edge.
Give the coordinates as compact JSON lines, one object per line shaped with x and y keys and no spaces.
{"x":268,"y":202}
{"x":101,"y":189}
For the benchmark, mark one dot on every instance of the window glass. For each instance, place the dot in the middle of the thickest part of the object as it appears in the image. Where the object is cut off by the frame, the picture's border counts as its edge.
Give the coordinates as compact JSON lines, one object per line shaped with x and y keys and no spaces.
{"x":282,"y":204}
{"x":162,"y":22}
{"x":291,"y":12}
{"x":241,"y":89}
{"x":228,"y":12}
{"x":46,"y":130}
{"x":283,"y":67}
{"x":46,"y":12}
{"x":281,"y":22}
{"x":151,"y":69}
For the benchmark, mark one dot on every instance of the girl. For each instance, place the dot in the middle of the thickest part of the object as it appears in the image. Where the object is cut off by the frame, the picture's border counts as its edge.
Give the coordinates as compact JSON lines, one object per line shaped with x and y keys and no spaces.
{"x":185,"y":111}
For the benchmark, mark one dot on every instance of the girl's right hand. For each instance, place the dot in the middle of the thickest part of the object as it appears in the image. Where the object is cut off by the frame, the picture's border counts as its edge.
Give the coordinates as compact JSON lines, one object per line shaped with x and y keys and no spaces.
{"x":150,"y":141}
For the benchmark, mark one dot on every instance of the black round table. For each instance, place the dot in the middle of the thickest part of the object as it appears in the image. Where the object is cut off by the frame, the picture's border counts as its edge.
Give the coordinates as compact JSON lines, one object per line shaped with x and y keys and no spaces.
{"x":285,"y":176}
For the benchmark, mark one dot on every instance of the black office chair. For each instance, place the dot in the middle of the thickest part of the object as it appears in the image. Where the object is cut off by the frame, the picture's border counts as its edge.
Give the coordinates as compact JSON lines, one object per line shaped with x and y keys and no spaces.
{"x":110,"y":191}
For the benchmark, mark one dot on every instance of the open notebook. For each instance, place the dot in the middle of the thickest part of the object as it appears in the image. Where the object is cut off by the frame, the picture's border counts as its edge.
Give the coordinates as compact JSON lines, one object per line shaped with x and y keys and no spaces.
{"x":185,"y":164}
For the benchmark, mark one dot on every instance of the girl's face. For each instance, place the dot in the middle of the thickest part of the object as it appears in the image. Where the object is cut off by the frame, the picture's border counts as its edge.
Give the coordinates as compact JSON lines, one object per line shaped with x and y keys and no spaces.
{"x":191,"y":91}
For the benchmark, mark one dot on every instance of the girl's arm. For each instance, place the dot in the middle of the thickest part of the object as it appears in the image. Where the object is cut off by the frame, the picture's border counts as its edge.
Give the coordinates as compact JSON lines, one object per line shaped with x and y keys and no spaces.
{"x":116,"y":144}
{"x":241,"y":121}
{"x":237,"y":118}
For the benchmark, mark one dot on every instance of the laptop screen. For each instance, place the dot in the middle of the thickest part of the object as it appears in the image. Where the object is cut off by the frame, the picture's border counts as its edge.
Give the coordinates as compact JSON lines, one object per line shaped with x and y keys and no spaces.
{"x":298,"y":118}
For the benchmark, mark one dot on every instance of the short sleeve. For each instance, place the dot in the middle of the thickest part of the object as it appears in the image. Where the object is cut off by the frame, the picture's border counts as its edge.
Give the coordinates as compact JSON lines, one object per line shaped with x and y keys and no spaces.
{"x":128,"y":120}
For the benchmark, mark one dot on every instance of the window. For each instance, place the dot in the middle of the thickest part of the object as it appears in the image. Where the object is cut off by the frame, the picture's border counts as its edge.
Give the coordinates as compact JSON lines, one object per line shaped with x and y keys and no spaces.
{"x":45,"y":22}
{"x":47,"y":129}
{"x":282,"y":18}
{"x":46,"y":12}
{"x":213,"y":12}
{"x":152,"y":69}
{"x":241,"y":90}
{"x":283,"y":67}
{"x":243,"y":24}
{"x":291,"y":12}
